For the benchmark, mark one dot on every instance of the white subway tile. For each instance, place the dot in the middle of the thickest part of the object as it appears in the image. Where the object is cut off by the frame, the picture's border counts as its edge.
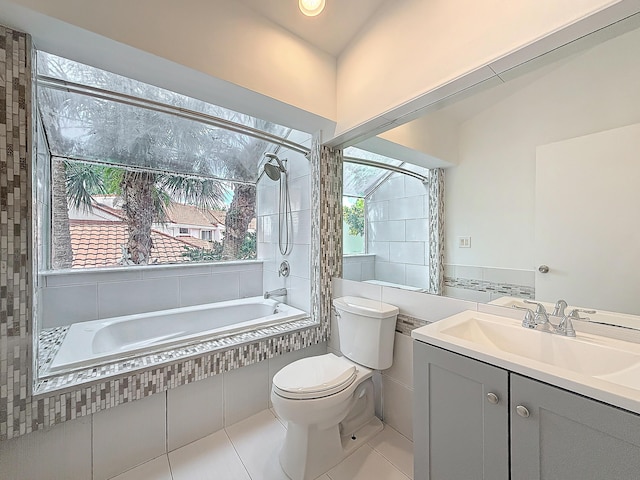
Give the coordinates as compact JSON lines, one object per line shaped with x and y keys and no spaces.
{"x":267,"y":197}
{"x":246,"y":392}
{"x":425,"y":306}
{"x":390,"y":272}
{"x":417,"y":230}
{"x":299,"y":293}
{"x":197,"y":290}
{"x":343,"y":288}
{"x":391,"y":231}
{"x":368,"y":271}
{"x":406,"y":208}
{"x":402,"y":368}
{"x":250,"y":284}
{"x":352,"y":271}
{"x":417,"y":276}
{"x":398,"y":406}
{"x":301,"y":224}
{"x":57,"y":301}
{"x":139,"y":296}
{"x":194,"y":411}
{"x":377,"y":211}
{"x":467,"y":294}
{"x":300,"y":193}
{"x":509,"y":275}
{"x":80,"y":277}
{"x":128,"y":435}
{"x":407,"y":252}
{"x":60,"y":452}
{"x":299,"y":260}
{"x":380,"y":250}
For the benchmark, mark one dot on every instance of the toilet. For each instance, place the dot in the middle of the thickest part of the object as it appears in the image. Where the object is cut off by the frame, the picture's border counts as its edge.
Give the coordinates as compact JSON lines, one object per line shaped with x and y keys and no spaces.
{"x":327,"y":400}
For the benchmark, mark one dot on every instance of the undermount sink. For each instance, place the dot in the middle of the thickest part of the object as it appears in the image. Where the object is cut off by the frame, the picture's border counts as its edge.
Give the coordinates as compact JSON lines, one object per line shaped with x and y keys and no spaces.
{"x":597,"y":366}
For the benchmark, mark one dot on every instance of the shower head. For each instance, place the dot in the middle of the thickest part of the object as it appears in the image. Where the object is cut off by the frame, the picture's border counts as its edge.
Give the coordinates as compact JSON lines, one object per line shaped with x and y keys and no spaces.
{"x":274,"y":171}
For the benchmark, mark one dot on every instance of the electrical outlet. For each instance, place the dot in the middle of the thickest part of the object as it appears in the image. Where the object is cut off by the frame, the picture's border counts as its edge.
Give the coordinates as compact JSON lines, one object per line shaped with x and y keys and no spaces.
{"x":464,"y":242}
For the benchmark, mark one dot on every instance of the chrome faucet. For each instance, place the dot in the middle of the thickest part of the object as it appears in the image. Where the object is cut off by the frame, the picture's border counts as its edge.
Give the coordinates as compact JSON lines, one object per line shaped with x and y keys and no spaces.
{"x":540,"y":316}
{"x":565,"y":327}
{"x":558,"y":310}
{"x":279,"y":292}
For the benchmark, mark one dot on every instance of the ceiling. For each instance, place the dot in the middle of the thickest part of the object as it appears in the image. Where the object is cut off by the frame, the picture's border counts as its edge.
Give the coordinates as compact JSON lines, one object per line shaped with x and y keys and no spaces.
{"x":330,"y":31}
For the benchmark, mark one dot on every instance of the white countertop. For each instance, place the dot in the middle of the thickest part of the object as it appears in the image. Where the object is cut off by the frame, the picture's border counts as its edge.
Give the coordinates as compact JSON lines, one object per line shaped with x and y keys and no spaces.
{"x":598,"y":367}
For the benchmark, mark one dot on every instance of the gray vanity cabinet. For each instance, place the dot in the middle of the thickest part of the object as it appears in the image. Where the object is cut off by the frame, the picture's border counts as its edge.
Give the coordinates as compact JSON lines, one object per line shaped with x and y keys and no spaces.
{"x":529,"y":431}
{"x":461,"y":431}
{"x":570,"y":437}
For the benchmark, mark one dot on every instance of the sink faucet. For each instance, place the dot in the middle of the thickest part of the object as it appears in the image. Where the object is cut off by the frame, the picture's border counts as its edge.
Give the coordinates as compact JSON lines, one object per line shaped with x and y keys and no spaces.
{"x":565,"y":327}
{"x":532,"y":320}
{"x":558,"y":310}
{"x":279,"y":292}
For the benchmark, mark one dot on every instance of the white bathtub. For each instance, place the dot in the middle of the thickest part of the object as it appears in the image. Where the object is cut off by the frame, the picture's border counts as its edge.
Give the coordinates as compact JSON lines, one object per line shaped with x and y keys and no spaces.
{"x":99,"y":341}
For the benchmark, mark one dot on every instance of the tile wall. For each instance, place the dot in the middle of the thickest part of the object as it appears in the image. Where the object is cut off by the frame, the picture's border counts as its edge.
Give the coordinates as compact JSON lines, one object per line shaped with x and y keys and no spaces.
{"x":299,"y":172}
{"x":359,"y":267}
{"x":484,"y":284}
{"x":398,"y":231}
{"x":108,"y":293}
{"x":109,"y":442}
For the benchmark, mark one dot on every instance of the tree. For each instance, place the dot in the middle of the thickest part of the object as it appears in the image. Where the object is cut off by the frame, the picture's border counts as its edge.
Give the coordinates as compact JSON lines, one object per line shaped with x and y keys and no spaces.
{"x":87,"y":128}
{"x":354,"y":217}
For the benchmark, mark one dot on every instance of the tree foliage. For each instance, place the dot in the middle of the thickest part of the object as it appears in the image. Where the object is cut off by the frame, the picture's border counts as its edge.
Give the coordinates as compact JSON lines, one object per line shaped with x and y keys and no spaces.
{"x":354,"y":217}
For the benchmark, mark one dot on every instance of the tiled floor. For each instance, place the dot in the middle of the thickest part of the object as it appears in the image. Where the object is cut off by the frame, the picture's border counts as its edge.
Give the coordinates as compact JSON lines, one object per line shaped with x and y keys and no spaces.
{"x":248,"y":450}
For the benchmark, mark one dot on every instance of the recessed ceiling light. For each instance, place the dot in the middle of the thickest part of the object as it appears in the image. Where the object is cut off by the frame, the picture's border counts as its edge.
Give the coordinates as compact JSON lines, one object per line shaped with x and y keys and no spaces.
{"x":311,"y":8}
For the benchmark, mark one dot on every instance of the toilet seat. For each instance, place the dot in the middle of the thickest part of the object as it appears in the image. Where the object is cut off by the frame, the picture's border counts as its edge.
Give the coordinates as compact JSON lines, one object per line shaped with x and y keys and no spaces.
{"x":314,"y":377}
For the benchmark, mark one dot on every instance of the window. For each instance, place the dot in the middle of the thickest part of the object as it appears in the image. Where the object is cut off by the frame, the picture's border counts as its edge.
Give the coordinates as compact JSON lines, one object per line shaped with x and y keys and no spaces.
{"x":353,"y":225}
{"x":126,"y":171}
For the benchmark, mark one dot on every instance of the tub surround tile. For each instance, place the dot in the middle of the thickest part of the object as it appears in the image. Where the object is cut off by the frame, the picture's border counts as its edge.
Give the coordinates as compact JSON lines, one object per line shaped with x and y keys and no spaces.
{"x":156,"y":469}
{"x":250,"y":284}
{"x":62,"y":452}
{"x":246,"y":391}
{"x":425,"y":306}
{"x":194,"y":411}
{"x":212,"y":457}
{"x":126,"y":298}
{"x":343,"y":288}
{"x":119,"y":443}
{"x":196,"y":290}
{"x":56,"y":302}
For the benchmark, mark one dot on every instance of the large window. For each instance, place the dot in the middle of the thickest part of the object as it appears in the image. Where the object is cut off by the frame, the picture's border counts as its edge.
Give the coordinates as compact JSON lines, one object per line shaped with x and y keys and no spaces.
{"x":140,"y":175}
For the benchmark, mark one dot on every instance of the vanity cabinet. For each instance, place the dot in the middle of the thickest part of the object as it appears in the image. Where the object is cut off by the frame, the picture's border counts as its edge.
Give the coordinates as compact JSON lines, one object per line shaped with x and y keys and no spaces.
{"x":461,"y":431}
{"x":474,"y":421}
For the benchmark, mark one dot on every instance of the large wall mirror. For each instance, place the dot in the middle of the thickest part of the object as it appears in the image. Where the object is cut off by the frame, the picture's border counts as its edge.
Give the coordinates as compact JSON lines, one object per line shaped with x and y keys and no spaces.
{"x":541,"y":195}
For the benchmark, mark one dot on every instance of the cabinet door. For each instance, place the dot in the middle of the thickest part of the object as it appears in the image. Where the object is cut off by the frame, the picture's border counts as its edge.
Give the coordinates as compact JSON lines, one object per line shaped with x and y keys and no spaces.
{"x":570,"y":437}
{"x":458,"y":433}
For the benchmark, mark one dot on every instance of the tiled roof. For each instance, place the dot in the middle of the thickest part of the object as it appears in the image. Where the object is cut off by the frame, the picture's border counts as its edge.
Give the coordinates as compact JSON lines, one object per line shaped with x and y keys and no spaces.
{"x":99,"y":244}
{"x":191,"y":215}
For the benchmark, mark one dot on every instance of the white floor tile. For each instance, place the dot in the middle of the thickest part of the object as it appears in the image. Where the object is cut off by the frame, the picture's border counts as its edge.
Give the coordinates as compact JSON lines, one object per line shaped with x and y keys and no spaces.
{"x":396,"y":448}
{"x":211,"y":458}
{"x":365,"y":464}
{"x":258,"y":440}
{"x":156,"y":469}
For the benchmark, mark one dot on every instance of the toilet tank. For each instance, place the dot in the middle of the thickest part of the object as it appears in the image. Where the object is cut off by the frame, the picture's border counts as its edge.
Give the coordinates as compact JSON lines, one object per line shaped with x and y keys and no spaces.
{"x":366,"y":329}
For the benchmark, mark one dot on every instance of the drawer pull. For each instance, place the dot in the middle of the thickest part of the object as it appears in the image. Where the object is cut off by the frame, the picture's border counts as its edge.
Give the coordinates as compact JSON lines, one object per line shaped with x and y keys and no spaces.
{"x":522,"y":411}
{"x":492,"y":398}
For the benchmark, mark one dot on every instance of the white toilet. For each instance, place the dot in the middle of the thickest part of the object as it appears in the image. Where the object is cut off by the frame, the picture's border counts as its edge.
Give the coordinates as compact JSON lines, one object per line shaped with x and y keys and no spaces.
{"x":328,"y":401}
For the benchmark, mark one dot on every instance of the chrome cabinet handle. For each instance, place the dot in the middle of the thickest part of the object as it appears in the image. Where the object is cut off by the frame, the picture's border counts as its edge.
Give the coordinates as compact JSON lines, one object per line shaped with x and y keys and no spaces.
{"x":522,"y":411}
{"x":492,"y":398}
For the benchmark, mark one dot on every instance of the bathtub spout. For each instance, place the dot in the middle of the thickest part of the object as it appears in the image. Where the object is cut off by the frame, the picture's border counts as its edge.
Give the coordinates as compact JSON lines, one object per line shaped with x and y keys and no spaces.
{"x":280,"y":292}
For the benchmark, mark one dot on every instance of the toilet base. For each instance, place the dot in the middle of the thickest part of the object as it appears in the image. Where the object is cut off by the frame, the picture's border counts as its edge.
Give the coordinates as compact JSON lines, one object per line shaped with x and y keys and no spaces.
{"x":302,"y":459}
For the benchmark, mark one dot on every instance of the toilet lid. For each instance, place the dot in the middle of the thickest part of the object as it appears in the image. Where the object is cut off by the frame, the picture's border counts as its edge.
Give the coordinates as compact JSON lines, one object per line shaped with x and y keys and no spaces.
{"x":314,"y":377}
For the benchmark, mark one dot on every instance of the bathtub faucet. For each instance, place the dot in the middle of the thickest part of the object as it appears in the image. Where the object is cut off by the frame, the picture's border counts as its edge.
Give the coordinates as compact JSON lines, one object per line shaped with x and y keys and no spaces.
{"x":280,"y":292}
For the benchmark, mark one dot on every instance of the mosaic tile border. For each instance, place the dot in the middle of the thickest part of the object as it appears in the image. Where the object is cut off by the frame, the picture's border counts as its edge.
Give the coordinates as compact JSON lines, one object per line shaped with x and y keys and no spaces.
{"x":436,"y":231}
{"x":405,"y":324}
{"x":20,"y":412}
{"x":519,"y":291}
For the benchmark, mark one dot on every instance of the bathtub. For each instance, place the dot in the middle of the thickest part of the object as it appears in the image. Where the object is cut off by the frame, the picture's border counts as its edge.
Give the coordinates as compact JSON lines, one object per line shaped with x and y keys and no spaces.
{"x":100,"y":341}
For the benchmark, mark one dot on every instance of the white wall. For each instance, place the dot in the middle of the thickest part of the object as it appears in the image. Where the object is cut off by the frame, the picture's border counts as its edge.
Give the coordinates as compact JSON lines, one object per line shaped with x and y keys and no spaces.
{"x":110,"y":442}
{"x":415,"y":46}
{"x":123,"y":291}
{"x":490,"y":195}
{"x":298,"y":283}
{"x":218,"y":51}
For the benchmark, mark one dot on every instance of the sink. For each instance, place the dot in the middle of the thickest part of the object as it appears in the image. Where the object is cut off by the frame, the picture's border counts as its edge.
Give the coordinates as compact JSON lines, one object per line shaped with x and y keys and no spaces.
{"x":584,"y":355}
{"x":600,"y":367}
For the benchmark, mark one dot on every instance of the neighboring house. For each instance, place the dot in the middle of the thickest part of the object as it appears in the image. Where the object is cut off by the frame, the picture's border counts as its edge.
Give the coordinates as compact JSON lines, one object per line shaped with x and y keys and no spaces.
{"x":99,"y":243}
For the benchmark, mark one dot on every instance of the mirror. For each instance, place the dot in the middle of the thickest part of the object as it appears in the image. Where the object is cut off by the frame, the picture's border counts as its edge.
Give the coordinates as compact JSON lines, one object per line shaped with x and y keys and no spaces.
{"x":544,"y":172}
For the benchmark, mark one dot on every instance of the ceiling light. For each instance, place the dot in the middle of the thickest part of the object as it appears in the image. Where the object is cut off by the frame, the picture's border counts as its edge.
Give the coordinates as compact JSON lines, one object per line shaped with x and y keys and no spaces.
{"x":311,"y":8}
